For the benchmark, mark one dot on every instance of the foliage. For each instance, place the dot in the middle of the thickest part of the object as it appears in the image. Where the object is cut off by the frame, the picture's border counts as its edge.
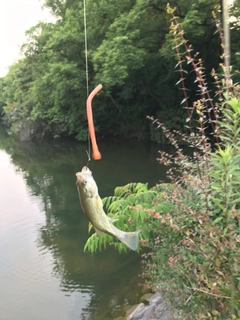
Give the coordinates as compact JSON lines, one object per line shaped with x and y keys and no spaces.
{"x":48,"y":86}
{"x":2,"y":104}
{"x":198,"y":243}
{"x":193,"y":234}
{"x":191,"y":227}
{"x":201,"y":231}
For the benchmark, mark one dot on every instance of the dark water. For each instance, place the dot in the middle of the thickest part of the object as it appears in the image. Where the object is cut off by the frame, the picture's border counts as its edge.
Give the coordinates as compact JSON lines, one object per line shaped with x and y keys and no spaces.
{"x":44,"y":273}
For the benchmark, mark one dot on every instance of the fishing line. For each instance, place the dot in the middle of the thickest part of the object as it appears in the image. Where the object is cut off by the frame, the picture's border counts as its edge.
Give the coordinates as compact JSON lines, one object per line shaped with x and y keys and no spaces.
{"x":86,"y":46}
{"x":86,"y":64}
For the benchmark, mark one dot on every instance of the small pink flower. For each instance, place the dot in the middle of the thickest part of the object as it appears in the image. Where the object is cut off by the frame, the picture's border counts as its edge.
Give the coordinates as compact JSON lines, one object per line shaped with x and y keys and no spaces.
{"x":157,"y":240}
{"x":156,"y":215}
{"x":130,"y":220}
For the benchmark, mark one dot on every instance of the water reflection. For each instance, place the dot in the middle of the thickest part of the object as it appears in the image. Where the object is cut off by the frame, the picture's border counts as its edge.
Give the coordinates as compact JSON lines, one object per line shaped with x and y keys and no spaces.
{"x":55,"y":229}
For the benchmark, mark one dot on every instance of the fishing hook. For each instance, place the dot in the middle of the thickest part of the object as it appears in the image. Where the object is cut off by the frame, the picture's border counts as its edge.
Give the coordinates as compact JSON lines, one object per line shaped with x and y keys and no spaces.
{"x":95,"y":153}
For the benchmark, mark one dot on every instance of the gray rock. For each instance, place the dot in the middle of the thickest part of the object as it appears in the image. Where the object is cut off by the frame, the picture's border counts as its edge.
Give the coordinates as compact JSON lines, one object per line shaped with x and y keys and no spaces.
{"x":135,"y":312}
{"x":157,"y":309}
{"x":25,"y":134}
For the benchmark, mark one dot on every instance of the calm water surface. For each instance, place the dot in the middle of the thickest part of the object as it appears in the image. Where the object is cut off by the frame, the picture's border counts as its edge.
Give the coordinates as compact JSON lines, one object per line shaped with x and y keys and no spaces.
{"x":44,"y":273}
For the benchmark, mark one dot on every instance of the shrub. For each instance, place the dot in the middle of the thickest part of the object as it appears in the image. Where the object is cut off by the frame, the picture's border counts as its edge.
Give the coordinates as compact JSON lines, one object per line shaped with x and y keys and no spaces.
{"x":200,"y":233}
{"x":200,"y":262}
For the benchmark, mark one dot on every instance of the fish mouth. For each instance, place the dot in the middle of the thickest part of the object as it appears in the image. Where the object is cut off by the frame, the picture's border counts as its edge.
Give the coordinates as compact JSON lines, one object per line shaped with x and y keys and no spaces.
{"x":83,"y":176}
{"x":86,"y":171}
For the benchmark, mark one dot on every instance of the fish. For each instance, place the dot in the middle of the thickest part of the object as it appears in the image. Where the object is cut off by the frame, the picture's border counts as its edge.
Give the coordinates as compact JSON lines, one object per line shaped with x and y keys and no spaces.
{"x":92,"y":206}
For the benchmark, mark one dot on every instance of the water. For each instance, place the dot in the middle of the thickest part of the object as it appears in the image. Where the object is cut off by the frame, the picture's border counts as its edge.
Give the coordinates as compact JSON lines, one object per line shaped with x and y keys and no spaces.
{"x":44,"y":273}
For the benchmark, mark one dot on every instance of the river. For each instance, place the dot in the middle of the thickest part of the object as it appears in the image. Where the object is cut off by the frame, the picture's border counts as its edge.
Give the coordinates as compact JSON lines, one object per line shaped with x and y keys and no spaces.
{"x":44,"y":273}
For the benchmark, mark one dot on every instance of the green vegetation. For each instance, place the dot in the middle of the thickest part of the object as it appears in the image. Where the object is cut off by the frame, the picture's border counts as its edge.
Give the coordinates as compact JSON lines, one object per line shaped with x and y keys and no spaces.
{"x":130,"y":53}
{"x":190,"y":235}
{"x":191,"y":227}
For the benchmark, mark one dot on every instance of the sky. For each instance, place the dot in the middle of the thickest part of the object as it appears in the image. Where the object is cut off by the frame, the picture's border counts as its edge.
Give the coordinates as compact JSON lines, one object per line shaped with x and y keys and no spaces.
{"x":17,"y":16}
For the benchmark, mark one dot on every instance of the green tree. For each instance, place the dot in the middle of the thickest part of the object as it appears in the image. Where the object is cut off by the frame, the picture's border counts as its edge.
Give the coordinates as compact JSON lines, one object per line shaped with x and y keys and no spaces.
{"x":129,"y":52}
{"x":2,"y":103}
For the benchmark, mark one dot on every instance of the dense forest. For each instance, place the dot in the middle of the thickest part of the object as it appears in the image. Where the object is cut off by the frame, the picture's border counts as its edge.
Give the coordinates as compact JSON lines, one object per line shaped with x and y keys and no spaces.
{"x":129,"y":52}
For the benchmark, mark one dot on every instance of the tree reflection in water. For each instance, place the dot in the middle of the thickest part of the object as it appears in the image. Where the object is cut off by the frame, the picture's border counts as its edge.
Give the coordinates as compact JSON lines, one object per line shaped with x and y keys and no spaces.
{"x":106,"y":280}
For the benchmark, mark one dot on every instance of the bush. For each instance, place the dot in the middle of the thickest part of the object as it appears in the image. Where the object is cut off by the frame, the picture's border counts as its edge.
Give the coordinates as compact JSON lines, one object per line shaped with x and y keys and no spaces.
{"x":196,"y":250}
{"x":200,"y":263}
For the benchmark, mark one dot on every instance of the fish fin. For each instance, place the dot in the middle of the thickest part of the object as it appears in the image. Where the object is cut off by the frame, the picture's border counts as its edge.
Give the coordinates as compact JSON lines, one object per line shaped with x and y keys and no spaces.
{"x":98,"y":232}
{"x":90,"y":226}
{"x":112,"y":220}
{"x":98,"y":200}
{"x":130,"y":239}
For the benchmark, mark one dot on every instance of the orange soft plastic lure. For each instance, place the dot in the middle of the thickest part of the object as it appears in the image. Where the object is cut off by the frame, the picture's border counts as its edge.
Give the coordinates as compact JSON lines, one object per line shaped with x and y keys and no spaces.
{"x":95,"y":152}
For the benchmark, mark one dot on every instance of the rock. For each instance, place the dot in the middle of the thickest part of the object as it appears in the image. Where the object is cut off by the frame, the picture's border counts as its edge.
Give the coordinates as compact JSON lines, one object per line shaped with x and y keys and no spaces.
{"x":25,"y":130}
{"x":26,"y":133}
{"x":134,"y":310}
{"x":157,"y":309}
{"x":146,"y":298}
{"x":146,"y":290}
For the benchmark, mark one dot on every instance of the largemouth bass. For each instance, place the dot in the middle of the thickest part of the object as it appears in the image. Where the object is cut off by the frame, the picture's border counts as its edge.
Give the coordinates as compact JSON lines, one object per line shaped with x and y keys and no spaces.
{"x":93,"y":208}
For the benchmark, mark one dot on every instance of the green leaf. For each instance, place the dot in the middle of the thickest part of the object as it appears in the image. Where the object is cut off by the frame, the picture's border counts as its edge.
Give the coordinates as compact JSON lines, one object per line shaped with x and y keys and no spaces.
{"x":217,"y":220}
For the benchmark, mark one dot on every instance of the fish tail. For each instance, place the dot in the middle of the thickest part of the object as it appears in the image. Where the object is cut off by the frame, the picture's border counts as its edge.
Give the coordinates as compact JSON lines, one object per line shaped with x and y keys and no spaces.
{"x":130,"y":239}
